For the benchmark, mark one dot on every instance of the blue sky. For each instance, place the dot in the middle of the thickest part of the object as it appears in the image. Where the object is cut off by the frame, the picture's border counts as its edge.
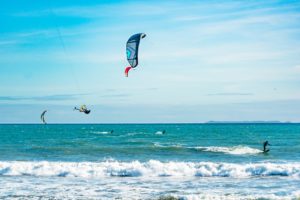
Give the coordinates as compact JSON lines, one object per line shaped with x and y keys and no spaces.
{"x":200,"y":61}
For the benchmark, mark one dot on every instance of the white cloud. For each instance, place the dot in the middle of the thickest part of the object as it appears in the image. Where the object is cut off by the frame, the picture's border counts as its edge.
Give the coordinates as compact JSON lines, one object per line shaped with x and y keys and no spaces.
{"x":99,"y":11}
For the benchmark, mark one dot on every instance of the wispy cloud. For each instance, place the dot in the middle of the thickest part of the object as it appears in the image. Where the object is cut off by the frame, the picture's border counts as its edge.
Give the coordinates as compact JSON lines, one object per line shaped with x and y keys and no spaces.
{"x":231,"y":94}
{"x":8,"y":42}
{"x":251,"y":111}
{"x":235,"y":11}
{"x":114,"y":95}
{"x":98,"y":11}
{"x":60,"y":97}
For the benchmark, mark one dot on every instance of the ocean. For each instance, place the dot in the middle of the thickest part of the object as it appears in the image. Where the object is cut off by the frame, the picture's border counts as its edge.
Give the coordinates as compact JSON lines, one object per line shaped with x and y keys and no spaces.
{"x":149,"y":161}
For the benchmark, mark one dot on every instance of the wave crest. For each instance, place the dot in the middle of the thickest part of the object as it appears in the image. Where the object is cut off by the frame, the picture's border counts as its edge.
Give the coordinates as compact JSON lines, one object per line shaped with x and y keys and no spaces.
{"x":152,"y":168}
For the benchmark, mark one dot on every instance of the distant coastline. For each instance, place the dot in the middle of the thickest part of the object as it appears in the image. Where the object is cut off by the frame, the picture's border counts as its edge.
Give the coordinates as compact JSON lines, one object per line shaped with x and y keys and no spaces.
{"x":249,"y":122}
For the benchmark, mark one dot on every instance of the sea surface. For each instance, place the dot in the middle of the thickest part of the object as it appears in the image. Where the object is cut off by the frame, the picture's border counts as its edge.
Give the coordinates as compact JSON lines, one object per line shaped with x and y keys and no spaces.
{"x":149,"y":161}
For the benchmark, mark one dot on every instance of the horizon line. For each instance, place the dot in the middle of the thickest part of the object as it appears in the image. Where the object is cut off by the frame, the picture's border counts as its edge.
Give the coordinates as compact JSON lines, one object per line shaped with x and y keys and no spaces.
{"x":157,"y":123}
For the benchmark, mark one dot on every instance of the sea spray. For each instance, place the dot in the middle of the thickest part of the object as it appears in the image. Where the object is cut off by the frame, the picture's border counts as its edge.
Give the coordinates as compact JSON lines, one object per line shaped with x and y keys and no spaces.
{"x":236,"y":150}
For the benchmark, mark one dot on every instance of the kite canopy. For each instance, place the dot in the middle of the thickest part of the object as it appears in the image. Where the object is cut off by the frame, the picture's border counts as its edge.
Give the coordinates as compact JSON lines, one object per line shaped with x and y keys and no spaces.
{"x":43,"y":116}
{"x":132,"y":50}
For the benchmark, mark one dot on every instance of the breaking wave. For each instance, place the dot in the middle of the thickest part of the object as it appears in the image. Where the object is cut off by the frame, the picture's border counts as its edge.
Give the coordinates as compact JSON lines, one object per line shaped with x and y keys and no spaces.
{"x":152,"y":168}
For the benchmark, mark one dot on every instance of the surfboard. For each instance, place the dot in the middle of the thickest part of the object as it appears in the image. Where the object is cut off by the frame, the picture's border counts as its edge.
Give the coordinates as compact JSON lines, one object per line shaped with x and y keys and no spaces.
{"x":266,"y":151}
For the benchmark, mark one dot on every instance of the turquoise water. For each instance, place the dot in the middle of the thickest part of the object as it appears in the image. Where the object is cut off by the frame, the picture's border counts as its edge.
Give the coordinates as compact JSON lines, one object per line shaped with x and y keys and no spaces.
{"x":143,"y":142}
{"x":188,"y":161}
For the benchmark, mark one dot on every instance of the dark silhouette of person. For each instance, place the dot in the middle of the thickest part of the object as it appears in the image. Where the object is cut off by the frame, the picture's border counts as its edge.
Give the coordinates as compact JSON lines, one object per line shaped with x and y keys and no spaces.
{"x":265,"y":144}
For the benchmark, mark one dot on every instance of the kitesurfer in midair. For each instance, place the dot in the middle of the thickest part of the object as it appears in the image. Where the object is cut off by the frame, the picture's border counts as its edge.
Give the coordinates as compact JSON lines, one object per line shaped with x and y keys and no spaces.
{"x":83,"y":109}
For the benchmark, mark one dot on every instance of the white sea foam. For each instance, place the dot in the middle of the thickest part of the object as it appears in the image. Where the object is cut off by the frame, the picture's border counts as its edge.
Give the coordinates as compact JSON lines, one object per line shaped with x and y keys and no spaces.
{"x":152,"y":168}
{"x":237,"y":150}
{"x":26,"y":187}
{"x":157,"y":144}
{"x":235,"y":197}
{"x":101,"y":132}
{"x":135,"y":133}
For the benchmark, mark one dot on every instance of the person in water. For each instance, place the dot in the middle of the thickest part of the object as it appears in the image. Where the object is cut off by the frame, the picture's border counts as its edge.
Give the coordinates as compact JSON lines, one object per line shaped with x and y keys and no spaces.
{"x":83,"y":109}
{"x":265,"y":144}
